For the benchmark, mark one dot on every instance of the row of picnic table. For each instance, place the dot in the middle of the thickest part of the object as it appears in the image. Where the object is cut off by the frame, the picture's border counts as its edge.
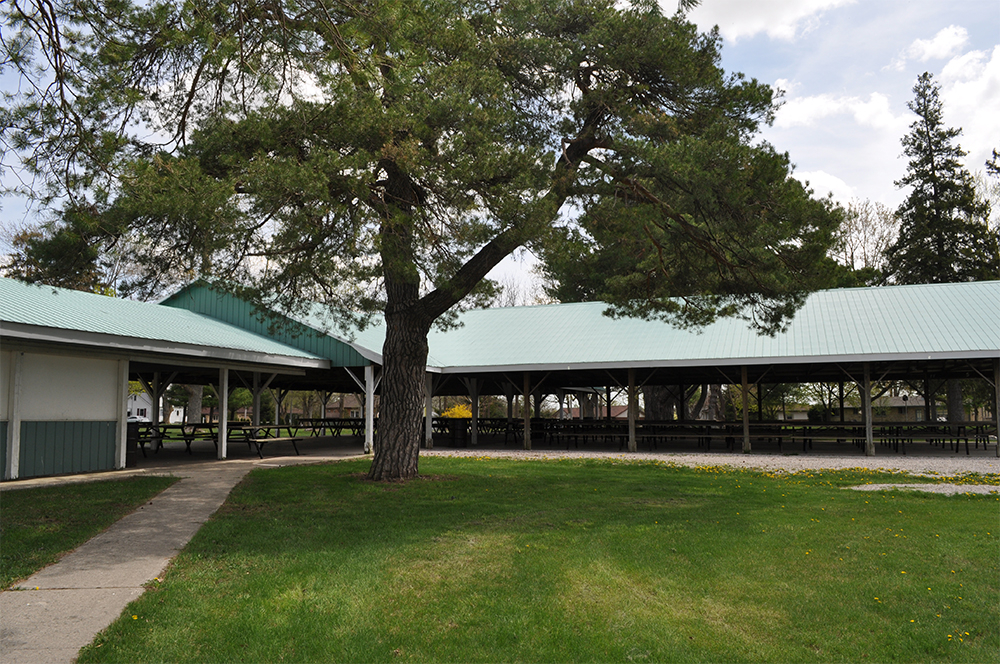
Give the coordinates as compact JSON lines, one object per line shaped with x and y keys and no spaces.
{"x":599,"y":431}
{"x":705,"y":434}
{"x":730,"y":434}
{"x":256,"y":436}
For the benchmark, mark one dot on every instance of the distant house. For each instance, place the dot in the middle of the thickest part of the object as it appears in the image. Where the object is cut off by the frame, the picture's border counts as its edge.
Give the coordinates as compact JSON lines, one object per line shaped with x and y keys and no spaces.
{"x":892,"y":409}
{"x":141,"y":406}
{"x":617,"y":412}
{"x":884,"y":409}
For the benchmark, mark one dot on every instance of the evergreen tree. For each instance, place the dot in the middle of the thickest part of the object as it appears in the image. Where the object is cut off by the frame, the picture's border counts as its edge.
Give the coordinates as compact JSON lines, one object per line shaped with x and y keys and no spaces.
{"x":944,"y":236}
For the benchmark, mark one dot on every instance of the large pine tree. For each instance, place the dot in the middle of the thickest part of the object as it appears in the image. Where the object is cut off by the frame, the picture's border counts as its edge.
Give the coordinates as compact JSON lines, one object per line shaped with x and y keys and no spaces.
{"x":381,"y":158}
{"x":943,"y":235}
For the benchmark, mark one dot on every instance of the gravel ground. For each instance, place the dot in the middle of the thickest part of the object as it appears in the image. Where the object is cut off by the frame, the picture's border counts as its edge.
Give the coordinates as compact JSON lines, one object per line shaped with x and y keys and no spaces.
{"x":947,"y":489}
{"x":921,"y":466}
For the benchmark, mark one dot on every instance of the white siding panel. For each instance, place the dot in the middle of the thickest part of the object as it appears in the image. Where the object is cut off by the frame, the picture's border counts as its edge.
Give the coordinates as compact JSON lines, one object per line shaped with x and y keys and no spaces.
{"x":6,"y":378}
{"x":64,"y":388}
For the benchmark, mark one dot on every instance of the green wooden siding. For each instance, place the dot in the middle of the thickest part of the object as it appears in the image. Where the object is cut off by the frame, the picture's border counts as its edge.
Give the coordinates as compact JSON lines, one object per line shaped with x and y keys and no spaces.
{"x":229,"y":309}
{"x":55,"y":448}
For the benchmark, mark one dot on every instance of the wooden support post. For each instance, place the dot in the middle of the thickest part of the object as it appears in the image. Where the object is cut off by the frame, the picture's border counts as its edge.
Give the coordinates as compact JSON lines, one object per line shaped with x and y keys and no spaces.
{"x":607,"y":396}
{"x":526,"y":411}
{"x":369,"y":408}
{"x":121,"y":428}
{"x":841,"y":395}
{"x":929,"y":406}
{"x":13,"y":469}
{"x":155,"y":398}
{"x":866,"y":405}
{"x":223,"y":394}
{"x":746,"y":410}
{"x":256,"y":399}
{"x":474,"y":396}
{"x":633,"y":409}
{"x":429,"y":412}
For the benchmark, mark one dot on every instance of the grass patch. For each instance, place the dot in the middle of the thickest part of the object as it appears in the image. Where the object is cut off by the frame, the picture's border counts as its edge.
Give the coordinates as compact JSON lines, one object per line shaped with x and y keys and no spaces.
{"x":577,"y":560}
{"x":38,"y":526}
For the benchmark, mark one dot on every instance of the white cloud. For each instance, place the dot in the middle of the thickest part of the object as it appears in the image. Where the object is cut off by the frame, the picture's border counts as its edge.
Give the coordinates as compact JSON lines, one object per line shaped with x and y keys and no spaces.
{"x":875,"y":112}
{"x":822,"y":183}
{"x":946,"y":43}
{"x":780,"y":19}
{"x":965,"y":67}
{"x":970,"y":94}
{"x":786,"y":86}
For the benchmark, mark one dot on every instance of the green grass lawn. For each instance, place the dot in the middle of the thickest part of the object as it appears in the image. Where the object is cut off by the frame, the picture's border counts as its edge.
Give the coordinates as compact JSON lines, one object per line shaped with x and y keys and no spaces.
{"x":39,"y":525}
{"x":502,"y":561}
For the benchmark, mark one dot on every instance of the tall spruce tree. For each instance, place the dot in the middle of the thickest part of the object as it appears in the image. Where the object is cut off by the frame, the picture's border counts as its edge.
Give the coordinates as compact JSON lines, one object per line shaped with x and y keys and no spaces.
{"x":943,"y":236}
{"x":383,"y":157}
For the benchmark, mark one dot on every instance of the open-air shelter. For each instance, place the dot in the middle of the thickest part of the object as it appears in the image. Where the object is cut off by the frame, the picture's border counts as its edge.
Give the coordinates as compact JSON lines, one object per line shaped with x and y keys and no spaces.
{"x":921,"y":334}
{"x":67,"y":358}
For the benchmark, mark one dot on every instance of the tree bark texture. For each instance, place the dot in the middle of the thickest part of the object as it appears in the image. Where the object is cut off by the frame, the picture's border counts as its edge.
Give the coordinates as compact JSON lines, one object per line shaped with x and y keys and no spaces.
{"x":714,"y":407}
{"x":193,"y":414}
{"x":589,"y":405}
{"x":660,"y":402}
{"x":400,"y":428}
{"x":956,"y":407}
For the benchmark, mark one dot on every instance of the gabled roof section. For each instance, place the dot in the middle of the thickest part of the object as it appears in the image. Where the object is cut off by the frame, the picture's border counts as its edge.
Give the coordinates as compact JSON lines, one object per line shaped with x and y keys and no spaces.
{"x":45,"y":313}
{"x":918,"y":322}
{"x":308,"y":335}
{"x":921,"y":322}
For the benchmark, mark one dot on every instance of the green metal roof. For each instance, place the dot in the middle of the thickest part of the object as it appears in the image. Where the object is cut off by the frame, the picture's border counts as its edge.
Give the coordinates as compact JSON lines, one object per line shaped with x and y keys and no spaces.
{"x":918,"y":322}
{"x":31,"y":311}
{"x":309,"y":334}
{"x":959,"y":320}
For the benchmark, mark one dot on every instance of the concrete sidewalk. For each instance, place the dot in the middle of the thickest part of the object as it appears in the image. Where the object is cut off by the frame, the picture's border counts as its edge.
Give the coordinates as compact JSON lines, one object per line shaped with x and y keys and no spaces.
{"x":47,"y":618}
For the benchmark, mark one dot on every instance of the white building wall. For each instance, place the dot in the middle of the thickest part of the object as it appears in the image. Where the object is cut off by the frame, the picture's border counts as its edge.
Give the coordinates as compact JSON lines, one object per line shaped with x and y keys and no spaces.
{"x":65,"y":388}
{"x":6,"y":362}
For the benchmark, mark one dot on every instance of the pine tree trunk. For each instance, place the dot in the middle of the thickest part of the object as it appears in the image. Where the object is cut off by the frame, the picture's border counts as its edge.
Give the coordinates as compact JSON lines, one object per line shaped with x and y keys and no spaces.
{"x":956,"y":405}
{"x":193,"y":409}
{"x":659,"y":401}
{"x":714,"y":407}
{"x":695,"y":412}
{"x":400,"y":421}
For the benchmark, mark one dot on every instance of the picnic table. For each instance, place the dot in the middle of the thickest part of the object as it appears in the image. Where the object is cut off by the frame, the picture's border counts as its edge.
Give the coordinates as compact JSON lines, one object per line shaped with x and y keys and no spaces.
{"x":258,"y":435}
{"x":335,"y":425}
{"x":156,"y":434}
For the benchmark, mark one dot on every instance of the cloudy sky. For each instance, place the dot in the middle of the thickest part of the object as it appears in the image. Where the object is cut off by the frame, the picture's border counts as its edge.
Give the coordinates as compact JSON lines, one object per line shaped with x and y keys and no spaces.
{"x":848,"y":68}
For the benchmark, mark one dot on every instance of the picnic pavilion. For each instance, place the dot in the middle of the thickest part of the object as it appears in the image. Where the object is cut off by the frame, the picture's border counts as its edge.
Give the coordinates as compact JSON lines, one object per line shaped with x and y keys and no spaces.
{"x":66,"y":358}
